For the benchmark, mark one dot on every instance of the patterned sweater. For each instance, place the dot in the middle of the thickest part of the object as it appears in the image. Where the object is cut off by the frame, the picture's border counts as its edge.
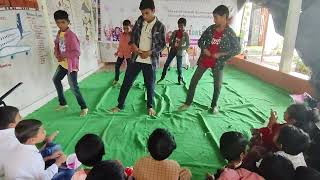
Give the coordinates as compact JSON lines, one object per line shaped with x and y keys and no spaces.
{"x":229,"y":44}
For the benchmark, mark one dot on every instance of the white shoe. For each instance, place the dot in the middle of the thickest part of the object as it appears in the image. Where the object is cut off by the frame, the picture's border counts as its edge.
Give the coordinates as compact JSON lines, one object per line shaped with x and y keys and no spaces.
{"x":84,"y":112}
{"x":60,"y":108}
{"x":215,"y":110}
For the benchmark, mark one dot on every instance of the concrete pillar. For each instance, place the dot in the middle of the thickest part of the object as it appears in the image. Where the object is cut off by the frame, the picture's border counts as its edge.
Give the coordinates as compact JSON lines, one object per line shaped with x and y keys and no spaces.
{"x":290,"y":35}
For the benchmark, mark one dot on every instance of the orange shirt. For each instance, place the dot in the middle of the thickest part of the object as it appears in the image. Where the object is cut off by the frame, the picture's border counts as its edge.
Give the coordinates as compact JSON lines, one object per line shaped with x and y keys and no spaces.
{"x":124,"y":49}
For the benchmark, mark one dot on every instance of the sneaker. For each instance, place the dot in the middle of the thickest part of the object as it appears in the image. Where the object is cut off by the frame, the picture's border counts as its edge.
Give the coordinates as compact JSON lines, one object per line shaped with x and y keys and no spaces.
{"x":184,"y":107}
{"x":84,"y":112}
{"x":215,"y":110}
{"x":60,"y":108}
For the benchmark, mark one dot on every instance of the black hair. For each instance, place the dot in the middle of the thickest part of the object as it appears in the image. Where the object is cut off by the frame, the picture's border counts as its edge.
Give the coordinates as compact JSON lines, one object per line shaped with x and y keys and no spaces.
{"x":7,"y":115}
{"x":221,"y":11}
{"x":126,"y":22}
{"x":61,"y":15}
{"x":182,"y":21}
{"x":161,"y":144}
{"x":293,"y":140}
{"x":107,"y":170}
{"x":147,"y":4}
{"x":306,"y":173}
{"x":27,"y":129}
{"x":232,"y":144}
{"x":276,"y":167}
{"x":90,"y":150}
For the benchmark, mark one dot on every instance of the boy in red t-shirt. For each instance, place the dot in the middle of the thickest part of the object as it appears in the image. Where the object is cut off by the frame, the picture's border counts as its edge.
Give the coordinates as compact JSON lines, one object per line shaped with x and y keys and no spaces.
{"x":218,"y":44}
{"x":179,"y":43}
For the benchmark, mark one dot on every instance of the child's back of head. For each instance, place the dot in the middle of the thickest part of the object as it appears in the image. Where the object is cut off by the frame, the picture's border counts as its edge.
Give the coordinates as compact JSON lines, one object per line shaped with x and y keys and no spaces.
{"x":90,"y":150}
{"x":161,"y":144}
{"x":306,"y":173}
{"x":233,"y":146}
{"x":293,"y":140}
{"x":107,"y":170}
{"x":30,"y":131}
{"x":9,"y":117}
{"x":276,"y":167}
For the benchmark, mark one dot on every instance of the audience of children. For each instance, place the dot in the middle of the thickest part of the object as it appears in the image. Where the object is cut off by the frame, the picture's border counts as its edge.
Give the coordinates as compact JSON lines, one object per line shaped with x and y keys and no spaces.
{"x":292,"y":140}
{"x":90,"y":151}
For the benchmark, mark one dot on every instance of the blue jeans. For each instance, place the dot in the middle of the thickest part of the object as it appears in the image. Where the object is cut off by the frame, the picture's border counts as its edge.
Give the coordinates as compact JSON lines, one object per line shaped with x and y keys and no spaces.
{"x":73,"y":82}
{"x":171,"y":56}
{"x":132,"y":72}
{"x":64,"y":173}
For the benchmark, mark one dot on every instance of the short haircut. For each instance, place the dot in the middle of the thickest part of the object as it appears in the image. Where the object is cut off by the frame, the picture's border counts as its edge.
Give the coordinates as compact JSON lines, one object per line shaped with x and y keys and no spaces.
{"x":90,"y":149}
{"x":306,"y":173}
{"x":182,"y":21}
{"x":147,"y":4}
{"x":27,"y":129}
{"x":61,"y":15}
{"x":293,"y":140}
{"x":276,"y":167}
{"x":232,"y":144}
{"x":7,"y":115}
{"x":126,"y":22}
{"x":107,"y":170}
{"x":161,"y":144}
{"x":221,"y":11}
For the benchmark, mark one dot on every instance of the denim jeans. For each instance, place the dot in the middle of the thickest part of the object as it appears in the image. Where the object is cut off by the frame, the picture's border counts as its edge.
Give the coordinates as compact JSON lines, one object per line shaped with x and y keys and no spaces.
{"x":132,"y":72}
{"x":73,"y":82}
{"x":171,"y":56}
{"x":117,"y":67}
{"x":217,"y":77}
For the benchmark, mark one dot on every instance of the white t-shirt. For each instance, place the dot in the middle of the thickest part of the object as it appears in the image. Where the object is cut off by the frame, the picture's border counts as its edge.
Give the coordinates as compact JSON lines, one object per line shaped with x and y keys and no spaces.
{"x":146,"y":40}
{"x":297,"y":160}
{"x":26,"y":163}
{"x":8,"y":142}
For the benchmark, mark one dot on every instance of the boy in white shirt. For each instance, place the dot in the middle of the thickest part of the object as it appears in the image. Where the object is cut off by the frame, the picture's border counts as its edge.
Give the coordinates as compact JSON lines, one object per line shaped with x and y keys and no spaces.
{"x":293,"y":142}
{"x":28,"y":164}
{"x":9,"y":118}
{"x":147,"y":41}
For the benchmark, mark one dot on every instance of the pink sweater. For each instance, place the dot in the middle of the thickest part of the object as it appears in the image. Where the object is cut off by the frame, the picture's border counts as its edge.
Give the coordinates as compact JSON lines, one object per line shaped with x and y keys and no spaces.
{"x":72,"y":50}
{"x":239,"y":174}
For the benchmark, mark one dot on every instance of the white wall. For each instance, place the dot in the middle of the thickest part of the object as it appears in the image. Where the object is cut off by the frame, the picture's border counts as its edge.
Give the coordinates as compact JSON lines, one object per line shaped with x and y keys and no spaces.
{"x":36,"y":69}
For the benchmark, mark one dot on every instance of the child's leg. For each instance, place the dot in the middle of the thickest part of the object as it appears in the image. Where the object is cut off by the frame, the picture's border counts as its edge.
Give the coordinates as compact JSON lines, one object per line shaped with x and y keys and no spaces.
{"x":149,"y":76}
{"x":179,"y":67}
{"x":73,"y":82}
{"x":131,"y":74}
{"x":117,"y":68}
{"x":193,"y":84}
{"x":217,"y":76}
{"x":171,"y":56}
{"x":57,"y":78}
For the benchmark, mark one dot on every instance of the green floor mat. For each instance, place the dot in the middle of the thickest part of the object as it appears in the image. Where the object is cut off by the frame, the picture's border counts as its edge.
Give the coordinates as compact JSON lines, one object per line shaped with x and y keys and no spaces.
{"x":245,"y":103}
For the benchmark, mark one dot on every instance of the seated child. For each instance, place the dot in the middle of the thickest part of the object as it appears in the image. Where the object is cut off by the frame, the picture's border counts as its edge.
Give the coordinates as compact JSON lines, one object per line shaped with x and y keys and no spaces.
{"x":28,"y":162}
{"x":161,"y":144}
{"x":233,"y":148}
{"x":276,"y":167}
{"x":293,"y":142}
{"x":306,"y":173}
{"x":9,"y":118}
{"x":107,"y":170}
{"x":89,"y":151}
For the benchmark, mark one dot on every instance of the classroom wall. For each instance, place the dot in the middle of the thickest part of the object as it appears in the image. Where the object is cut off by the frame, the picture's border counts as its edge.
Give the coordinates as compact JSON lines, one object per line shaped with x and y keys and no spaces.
{"x":26,"y":47}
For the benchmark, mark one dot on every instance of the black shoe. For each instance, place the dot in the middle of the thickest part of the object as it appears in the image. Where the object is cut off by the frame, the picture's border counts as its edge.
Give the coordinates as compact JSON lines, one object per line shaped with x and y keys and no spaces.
{"x":160,"y":80}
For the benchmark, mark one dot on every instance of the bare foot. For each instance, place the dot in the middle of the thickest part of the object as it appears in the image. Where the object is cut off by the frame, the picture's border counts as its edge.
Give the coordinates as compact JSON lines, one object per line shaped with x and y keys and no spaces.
{"x":115,"y":110}
{"x":50,"y":138}
{"x":60,"y":108}
{"x":184,"y":107}
{"x":151,"y":112}
{"x":84,"y":112}
{"x":215,"y":110}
